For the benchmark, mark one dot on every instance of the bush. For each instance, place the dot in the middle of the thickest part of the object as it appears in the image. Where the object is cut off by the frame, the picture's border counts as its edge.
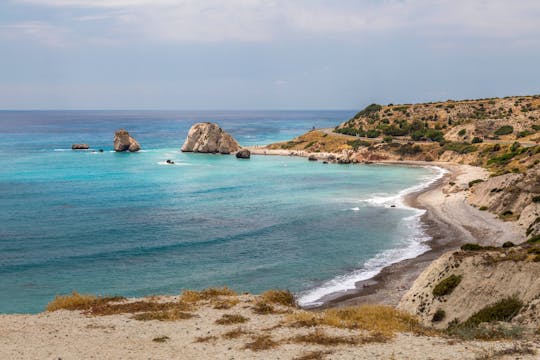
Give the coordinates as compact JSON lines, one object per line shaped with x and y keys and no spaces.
{"x":483,"y":208}
{"x":355,"y":144}
{"x":387,"y":139}
{"x":471,"y":183}
{"x":471,"y":247}
{"x":536,"y":199}
{"x":460,"y":148}
{"x":476,"y":140}
{"x":534,"y":239}
{"x":438,"y":316}
{"x":503,"y":310}
{"x":462,"y":132}
{"x":508,"y":244}
{"x":446,"y":286}
{"x":373,"y":133}
{"x":409,"y":149}
{"x":504,"y":130}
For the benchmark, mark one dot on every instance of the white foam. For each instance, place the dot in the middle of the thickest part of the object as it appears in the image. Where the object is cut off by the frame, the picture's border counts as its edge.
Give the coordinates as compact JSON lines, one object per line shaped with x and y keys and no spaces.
{"x":413,"y":245}
{"x":175,"y":164}
{"x":63,"y":150}
{"x":355,"y":209}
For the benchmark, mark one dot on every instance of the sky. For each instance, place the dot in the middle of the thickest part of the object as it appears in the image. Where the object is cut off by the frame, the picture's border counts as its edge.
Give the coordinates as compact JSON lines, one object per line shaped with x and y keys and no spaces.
{"x":257,"y":54}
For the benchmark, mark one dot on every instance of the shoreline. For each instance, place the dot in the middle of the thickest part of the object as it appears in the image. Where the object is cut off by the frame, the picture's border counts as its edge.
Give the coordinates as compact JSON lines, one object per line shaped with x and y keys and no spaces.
{"x":449,"y":220}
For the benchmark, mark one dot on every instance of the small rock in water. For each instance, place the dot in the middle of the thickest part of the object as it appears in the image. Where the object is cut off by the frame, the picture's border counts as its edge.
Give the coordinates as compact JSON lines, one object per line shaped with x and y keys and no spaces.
{"x":325,"y":162}
{"x":80,"y":147}
{"x":243,"y":154}
{"x":312,"y":158}
{"x":392,"y":205}
{"x":100,"y":150}
{"x":170,"y":162}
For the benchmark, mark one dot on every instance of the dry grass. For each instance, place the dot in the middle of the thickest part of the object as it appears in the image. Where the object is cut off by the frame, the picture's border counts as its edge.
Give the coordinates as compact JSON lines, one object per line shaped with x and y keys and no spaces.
{"x":313,"y":355}
{"x":263,"y":308}
{"x":77,"y":301}
{"x":137,"y":307}
{"x":319,"y":337}
{"x":234,"y":334}
{"x":516,"y":349}
{"x":161,"y":339}
{"x":280,"y":297}
{"x":165,"y":315}
{"x":228,"y":319}
{"x":192,"y":296}
{"x":225,"y":304}
{"x":260,"y":343}
{"x":203,"y":339}
{"x":379,"y":319}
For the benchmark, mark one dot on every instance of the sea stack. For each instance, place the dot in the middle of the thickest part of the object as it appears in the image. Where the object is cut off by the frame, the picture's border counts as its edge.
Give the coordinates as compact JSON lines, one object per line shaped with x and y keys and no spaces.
{"x":124,"y":142}
{"x":209,"y":138}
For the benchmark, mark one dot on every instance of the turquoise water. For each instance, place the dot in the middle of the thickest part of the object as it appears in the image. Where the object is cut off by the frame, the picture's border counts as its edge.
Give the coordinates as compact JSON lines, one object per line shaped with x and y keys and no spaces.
{"x":127,"y":224}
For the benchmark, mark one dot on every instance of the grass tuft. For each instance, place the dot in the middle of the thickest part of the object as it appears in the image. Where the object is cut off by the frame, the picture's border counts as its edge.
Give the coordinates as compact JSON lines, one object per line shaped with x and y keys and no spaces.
{"x":260,"y":343}
{"x":161,"y":339}
{"x":447,"y":285}
{"x":228,"y":319}
{"x":77,"y":301}
{"x":234,"y":334}
{"x":263,"y":308}
{"x":165,"y":315}
{"x":203,"y":339}
{"x":313,"y":355}
{"x":193,"y":296}
{"x":280,"y":297}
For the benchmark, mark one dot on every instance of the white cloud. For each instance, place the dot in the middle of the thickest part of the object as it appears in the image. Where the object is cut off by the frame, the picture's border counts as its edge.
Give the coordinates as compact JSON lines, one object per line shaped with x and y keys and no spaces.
{"x":260,"y":20}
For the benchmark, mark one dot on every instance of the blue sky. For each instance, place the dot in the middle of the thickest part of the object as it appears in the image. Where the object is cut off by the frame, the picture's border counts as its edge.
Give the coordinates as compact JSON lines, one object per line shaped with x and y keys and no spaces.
{"x":256,"y":54}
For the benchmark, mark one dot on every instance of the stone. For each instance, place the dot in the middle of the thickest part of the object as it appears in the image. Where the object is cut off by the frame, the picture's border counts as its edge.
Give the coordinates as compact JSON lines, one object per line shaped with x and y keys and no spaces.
{"x":80,"y":147}
{"x":243,"y":154}
{"x":312,"y":158}
{"x":209,"y":138}
{"x":124,"y":142}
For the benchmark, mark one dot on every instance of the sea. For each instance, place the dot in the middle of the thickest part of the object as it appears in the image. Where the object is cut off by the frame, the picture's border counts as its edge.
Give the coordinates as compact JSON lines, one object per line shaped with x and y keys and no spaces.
{"x":130,"y":224}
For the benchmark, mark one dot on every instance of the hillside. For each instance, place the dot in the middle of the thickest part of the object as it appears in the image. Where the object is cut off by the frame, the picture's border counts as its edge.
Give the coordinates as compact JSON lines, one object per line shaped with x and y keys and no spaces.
{"x":499,"y":134}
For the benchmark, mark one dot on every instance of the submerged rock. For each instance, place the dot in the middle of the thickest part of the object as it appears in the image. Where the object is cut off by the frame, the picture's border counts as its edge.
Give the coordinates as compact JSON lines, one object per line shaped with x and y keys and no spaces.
{"x":209,"y":138}
{"x":169,"y":162}
{"x":80,"y":147}
{"x":124,"y":142}
{"x":243,"y":154}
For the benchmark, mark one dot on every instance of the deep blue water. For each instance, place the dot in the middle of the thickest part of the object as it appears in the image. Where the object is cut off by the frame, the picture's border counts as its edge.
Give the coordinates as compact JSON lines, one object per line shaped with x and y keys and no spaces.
{"x":127,"y":224}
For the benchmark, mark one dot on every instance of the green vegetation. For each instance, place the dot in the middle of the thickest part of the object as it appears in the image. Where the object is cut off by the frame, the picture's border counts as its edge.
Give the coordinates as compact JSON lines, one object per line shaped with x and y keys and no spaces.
{"x":438,"y":316}
{"x":534,"y":239}
{"x":504,"y":130}
{"x":471,"y":247}
{"x":447,"y":285}
{"x":356,"y":144}
{"x":503,"y":310}
{"x":462,"y":132}
{"x":536,"y":199}
{"x":373,"y":133}
{"x":508,"y":244}
{"x":476,"y":140}
{"x":483,"y":208}
{"x":409,"y":149}
{"x":477,"y":181}
{"x":460,"y":148}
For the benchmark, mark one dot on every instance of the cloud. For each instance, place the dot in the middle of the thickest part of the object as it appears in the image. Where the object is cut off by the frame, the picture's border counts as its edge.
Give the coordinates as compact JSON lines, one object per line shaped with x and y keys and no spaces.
{"x":205,"y":21}
{"x":44,"y":33}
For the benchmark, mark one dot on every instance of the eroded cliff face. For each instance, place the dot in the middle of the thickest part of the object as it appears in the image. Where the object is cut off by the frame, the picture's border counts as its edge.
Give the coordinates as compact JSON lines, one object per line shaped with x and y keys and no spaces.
{"x":485,"y":277}
{"x":209,"y":138}
{"x":124,"y":142}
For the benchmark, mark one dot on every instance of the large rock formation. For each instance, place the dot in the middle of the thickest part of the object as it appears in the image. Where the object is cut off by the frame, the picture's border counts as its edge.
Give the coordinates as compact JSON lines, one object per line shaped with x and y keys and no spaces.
{"x":209,"y":138}
{"x":124,"y":142}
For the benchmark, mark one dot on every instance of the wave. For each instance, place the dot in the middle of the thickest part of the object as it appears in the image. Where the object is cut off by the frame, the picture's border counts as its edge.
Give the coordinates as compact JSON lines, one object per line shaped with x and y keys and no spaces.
{"x":413,"y":244}
{"x":175,"y":164}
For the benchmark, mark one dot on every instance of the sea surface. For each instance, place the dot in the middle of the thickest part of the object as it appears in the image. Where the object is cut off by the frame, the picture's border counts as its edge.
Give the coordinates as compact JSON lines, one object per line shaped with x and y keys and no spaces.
{"x":129,"y":224}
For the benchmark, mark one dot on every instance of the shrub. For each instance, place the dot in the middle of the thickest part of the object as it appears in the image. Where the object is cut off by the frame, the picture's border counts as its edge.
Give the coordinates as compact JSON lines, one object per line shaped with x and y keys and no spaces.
{"x":387,"y":139}
{"x":261,"y":342}
{"x":446,"y":286}
{"x":355,"y":144}
{"x":504,"y":130}
{"x":534,"y":239}
{"x":477,"y":181}
{"x":536,"y":199}
{"x":508,"y":244}
{"x":409,"y":149}
{"x":471,"y":247}
{"x":280,"y":297}
{"x":77,"y":301}
{"x":483,"y":208}
{"x":503,"y":310}
{"x":462,"y":132}
{"x":438,"y":316}
{"x":370,"y":109}
{"x":476,"y":140}
{"x":228,"y":319}
{"x":460,"y":148}
{"x":373,"y":133}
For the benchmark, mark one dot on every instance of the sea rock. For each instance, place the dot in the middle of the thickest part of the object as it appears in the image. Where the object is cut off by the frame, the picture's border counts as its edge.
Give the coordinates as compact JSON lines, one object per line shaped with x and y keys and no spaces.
{"x":312,"y":158}
{"x":209,"y":138}
{"x":124,"y":142}
{"x":80,"y":147}
{"x":243,"y":154}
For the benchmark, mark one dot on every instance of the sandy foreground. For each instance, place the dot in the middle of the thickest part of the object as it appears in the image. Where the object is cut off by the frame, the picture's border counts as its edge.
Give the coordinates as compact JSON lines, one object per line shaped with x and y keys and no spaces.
{"x":74,"y":335}
{"x":450,"y":221}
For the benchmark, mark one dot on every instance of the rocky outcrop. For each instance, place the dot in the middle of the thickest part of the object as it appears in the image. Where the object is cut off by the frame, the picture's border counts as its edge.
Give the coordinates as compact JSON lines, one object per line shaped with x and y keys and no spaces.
{"x":80,"y":147}
{"x":124,"y":142}
{"x":243,"y":154}
{"x":485,"y":277}
{"x":209,"y":138}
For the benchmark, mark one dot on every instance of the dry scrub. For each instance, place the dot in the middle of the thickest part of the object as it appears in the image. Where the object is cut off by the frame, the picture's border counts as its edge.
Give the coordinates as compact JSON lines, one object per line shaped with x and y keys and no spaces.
{"x":261,"y":342}
{"x":228,"y":319}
